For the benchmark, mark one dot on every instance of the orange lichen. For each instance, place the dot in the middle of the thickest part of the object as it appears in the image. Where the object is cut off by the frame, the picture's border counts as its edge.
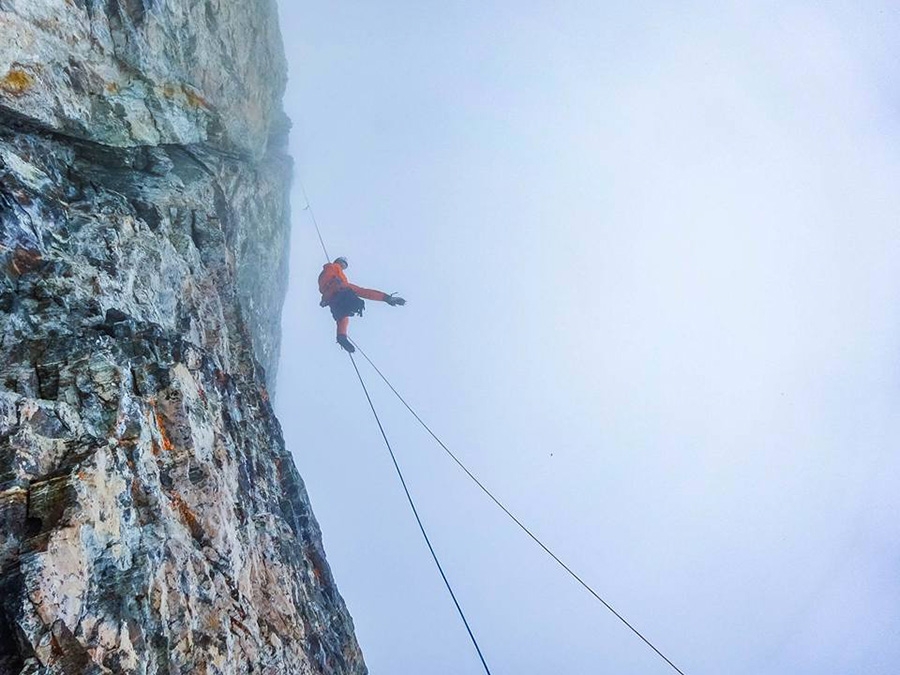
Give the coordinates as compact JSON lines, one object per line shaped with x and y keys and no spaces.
{"x":16,"y":81}
{"x":194,"y":99}
{"x":191,"y":96}
{"x":166,"y":443}
{"x":193,"y":524}
{"x":240,"y":624}
{"x":112,"y":87}
{"x":24,"y":260}
{"x":316,"y":563}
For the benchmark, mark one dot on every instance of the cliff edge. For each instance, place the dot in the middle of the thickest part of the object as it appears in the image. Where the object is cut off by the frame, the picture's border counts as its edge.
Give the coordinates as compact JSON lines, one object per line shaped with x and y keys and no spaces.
{"x":151,"y":520}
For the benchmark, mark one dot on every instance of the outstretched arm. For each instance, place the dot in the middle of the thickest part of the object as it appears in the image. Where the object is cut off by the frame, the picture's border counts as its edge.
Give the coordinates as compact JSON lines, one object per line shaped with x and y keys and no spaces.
{"x":368,"y":293}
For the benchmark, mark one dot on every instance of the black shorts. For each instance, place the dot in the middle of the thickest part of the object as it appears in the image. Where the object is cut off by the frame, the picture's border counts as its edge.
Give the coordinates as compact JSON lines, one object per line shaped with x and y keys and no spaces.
{"x":346,"y":303}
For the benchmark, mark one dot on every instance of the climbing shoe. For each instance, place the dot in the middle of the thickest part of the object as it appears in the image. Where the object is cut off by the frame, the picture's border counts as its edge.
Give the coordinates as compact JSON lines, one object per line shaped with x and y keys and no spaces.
{"x":344,"y":342}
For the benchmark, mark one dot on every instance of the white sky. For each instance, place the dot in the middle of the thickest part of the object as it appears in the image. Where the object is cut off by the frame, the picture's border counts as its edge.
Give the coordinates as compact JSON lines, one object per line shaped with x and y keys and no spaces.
{"x":651,"y":253}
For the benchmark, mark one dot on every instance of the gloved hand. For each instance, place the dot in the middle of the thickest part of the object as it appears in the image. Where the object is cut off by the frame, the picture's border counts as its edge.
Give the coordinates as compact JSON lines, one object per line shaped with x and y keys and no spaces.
{"x":394,"y":301}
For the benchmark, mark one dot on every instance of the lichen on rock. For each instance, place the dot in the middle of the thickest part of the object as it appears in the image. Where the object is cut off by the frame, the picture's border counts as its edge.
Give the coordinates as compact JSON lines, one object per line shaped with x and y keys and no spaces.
{"x":151,"y":519}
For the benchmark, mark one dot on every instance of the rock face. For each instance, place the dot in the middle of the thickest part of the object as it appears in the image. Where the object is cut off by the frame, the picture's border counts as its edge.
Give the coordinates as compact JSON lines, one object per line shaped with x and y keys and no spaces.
{"x":151,"y":520}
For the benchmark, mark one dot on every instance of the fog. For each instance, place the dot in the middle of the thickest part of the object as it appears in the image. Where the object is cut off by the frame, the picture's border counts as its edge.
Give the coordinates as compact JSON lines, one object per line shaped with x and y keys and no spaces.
{"x":651,"y":257}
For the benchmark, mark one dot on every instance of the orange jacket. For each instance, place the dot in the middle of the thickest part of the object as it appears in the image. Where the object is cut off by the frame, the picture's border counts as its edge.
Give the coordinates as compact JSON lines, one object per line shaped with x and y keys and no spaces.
{"x":332,"y":280}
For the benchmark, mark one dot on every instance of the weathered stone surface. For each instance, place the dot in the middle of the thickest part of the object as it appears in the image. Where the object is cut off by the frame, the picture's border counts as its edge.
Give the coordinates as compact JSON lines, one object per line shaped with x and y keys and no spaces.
{"x":151,"y":520}
{"x":145,"y":72}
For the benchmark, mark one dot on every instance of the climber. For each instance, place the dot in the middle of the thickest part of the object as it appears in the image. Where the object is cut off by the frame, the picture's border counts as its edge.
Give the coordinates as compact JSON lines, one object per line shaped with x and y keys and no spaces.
{"x":346,"y":299}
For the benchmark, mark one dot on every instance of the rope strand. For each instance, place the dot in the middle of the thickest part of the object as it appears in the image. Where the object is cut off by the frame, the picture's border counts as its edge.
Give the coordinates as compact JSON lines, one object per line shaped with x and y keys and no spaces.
{"x":418,"y":519}
{"x":312,"y":215}
{"x":514,"y":518}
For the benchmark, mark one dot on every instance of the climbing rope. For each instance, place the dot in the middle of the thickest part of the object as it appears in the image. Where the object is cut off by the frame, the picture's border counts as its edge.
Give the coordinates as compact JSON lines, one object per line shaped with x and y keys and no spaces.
{"x":312,"y":215}
{"x":409,"y":498}
{"x":415,"y":511}
{"x":513,"y":517}
{"x":472,"y":476}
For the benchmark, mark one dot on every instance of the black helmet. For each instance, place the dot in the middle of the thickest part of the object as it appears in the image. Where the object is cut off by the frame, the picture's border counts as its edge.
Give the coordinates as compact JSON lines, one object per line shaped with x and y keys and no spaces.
{"x":342,"y":261}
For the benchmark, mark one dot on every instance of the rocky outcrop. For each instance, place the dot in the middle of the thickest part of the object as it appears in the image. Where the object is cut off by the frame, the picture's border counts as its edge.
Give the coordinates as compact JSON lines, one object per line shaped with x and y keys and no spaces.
{"x":151,"y":520}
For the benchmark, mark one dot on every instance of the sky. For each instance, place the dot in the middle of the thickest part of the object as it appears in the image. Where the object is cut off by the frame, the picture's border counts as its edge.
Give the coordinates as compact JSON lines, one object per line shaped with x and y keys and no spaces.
{"x":651,"y":256}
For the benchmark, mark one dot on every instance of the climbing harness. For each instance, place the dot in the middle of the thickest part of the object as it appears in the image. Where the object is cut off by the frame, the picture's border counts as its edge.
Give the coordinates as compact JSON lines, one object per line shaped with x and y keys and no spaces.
{"x":472,"y":476}
{"x":347,"y":303}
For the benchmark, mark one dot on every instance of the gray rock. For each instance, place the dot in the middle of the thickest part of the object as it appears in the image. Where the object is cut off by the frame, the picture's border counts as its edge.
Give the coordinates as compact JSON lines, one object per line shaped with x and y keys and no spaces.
{"x":151,"y":520}
{"x":145,"y":72}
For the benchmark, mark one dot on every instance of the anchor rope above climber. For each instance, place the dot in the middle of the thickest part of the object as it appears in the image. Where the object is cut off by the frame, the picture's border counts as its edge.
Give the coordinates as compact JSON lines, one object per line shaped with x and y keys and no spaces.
{"x":346,"y":299}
